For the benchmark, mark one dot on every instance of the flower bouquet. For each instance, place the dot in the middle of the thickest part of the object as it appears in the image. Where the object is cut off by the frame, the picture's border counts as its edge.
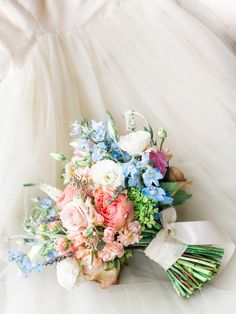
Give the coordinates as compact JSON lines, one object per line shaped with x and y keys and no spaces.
{"x":119,"y":196}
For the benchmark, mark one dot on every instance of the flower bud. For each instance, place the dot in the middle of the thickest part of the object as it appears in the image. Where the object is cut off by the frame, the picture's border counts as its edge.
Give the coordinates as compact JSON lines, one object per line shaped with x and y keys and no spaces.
{"x":162,"y":133}
{"x":175,"y":175}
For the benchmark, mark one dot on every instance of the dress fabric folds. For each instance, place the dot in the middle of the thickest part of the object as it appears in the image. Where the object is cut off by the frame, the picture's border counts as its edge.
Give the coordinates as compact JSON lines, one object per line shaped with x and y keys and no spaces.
{"x":61,"y":60}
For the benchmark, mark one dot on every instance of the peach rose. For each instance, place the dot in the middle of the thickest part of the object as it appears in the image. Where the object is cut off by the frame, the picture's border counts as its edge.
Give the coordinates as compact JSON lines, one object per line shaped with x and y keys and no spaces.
{"x":75,"y":216}
{"x":116,"y":214}
{"x":111,"y":251}
{"x":108,"y":277}
{"x":92,"y":269}
{"x":66,"y":197}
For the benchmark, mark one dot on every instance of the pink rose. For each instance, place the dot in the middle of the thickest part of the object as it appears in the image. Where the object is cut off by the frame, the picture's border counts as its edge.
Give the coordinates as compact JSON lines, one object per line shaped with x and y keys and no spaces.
{"x":109,"y":235}
{"x":66,"y":197}
{"x":159,"y":161}
{"x":60,"y":245}
{"x":111,"y":251}
{"x":75,"y":216}
{"x":116,"y":214}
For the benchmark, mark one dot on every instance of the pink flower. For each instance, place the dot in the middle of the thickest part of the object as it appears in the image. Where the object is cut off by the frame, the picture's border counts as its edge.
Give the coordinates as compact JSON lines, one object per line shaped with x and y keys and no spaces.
{"x":75,"y":216}
{"x":134,"y":226}
{"x":66,"y":197}
{"x":77,"y":238}
{"x":159,"y":161}
{"x":109,"y":235}
{"x":127,"y":238}
{"x":53,"y":225}
{"x":111,"y":251}
{"x":130,"y":234}
{"x":60,"y":245}
{"x":116,"y":214}
{"x":81,"y":252}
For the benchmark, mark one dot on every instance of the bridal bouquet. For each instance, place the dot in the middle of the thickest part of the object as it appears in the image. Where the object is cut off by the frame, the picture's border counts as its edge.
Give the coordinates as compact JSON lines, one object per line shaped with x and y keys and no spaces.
{"x":120,"y":193}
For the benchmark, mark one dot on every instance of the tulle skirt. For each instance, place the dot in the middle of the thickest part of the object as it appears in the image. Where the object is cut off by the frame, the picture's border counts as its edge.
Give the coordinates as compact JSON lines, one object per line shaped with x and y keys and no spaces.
{"x":145,"y":55}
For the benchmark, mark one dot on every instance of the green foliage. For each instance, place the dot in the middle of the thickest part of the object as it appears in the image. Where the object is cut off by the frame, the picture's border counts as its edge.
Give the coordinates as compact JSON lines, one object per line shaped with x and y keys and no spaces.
{"x":180,"y":197}
{"x":174,"y":188}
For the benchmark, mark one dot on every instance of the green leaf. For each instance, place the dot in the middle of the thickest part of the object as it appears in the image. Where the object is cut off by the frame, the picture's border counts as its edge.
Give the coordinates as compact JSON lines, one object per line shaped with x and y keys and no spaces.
{"x":180,"y":197}
{"x":58,"y":157}
{"x":30,"y":184}
{"x":101,"y":245}
{"x":169,"y":186}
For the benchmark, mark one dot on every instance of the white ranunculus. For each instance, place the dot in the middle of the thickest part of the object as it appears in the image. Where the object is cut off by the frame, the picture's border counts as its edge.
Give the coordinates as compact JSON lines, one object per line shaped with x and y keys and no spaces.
{"x":34,"y":252}
{"x":67,"y":272}
{"x":135,"y":143}
{"x":107,"y":172}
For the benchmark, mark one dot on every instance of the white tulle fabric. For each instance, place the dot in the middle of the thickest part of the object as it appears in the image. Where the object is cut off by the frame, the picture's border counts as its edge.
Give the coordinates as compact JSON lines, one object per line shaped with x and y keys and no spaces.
{"x":61,"y":60}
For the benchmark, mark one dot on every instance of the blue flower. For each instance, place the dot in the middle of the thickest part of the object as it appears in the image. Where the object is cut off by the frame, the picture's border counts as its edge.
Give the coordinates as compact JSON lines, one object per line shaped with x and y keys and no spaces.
{"x":45,"y":203}
{"x":152,"y":176}
{"x":99,"y":131}
{"x":24,"y":263}
{"x":15,"y":256}
{"x":135,"y":180}
{"x":82,"y":144}
{"x":98,"y":151}
{"x":143,"y":163}
{"x":37,"y":267}
{"x":155,"y":193}
{"x":129,"y":168}
{"x":168,"y":200}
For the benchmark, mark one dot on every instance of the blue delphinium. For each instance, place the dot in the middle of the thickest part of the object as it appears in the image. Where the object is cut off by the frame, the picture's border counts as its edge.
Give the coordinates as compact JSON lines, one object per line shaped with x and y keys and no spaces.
{"x":154,"y":193}
{"x":168,"y":200}
{"x":98,"y":151}
{"x":24,"y":263}
{"x":135,"y":180}
{"x":144,"y":162}
{"x":45,"y":203}
{"x":82,"y":144}
{"x":152,"y":176}
{"x":99,"y":131}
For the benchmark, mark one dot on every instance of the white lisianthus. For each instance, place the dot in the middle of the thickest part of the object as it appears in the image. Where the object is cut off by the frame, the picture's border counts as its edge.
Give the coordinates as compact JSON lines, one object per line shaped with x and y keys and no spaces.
{"x":135,"y":143}
{"x":34,"y":252}
{"x":67,"y":272}
{"x":107,"y":172}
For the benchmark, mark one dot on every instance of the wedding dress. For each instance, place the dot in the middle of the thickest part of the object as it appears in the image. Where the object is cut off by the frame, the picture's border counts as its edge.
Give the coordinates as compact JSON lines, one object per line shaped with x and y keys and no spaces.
{"x":61,"y":60}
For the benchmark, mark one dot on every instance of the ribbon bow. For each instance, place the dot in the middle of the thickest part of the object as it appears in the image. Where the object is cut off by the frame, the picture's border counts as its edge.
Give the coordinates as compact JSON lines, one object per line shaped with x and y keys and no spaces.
{"x":171,"y":242}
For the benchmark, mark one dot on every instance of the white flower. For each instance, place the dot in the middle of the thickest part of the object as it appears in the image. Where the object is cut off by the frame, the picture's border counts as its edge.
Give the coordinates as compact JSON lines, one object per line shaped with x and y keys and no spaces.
{"x":67,"y":272}
{"x":135,"y":143}
{"x":34,"y":252}
{"x":107,"y":172}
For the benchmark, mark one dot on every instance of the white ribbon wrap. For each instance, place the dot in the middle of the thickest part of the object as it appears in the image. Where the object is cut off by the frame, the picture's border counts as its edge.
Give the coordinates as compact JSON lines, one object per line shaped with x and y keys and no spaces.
{"x":171,"y":242}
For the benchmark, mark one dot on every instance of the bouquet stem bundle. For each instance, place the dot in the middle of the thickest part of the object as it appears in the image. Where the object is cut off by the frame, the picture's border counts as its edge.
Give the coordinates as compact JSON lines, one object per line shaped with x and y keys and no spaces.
{"x":195,"y":267}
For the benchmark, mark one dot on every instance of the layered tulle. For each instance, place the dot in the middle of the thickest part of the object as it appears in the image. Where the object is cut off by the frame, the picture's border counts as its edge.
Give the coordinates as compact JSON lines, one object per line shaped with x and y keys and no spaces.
{"x":144,"y":55}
